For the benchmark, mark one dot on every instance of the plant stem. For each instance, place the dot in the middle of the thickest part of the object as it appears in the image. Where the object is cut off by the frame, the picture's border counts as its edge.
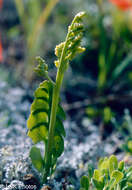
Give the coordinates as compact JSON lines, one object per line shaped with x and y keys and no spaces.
{"x":55,"y":101}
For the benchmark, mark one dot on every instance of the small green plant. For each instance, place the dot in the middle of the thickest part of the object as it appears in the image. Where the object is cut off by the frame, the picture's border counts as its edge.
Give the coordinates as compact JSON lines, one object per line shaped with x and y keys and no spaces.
{"x":105,"y":113}
{"x":125,"y":129}
{"x":110,"y":175}
{"x":45,"y":121}
{"x":85,"y":184}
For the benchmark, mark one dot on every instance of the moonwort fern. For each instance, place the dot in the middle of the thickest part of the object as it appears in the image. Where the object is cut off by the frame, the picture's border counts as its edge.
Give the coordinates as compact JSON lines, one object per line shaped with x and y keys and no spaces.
{"x":45,"y":122}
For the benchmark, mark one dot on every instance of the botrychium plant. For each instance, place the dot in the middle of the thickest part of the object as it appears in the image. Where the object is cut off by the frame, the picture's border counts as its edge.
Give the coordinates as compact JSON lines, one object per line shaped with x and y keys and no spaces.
{"x":45,"y":120}
{"x":110,"y":175}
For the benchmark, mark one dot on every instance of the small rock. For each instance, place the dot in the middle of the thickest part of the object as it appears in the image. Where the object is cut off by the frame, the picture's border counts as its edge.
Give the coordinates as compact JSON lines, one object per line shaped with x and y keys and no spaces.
{"x":1,"y":187}
{"x":46,"y":188}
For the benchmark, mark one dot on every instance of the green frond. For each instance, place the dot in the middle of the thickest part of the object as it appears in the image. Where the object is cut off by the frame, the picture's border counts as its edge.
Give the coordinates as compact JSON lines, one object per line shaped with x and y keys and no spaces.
{"x":38,"y":121}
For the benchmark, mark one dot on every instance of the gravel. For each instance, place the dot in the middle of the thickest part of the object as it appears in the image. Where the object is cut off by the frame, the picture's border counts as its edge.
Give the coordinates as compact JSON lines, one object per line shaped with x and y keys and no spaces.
{"x":82,"y":144}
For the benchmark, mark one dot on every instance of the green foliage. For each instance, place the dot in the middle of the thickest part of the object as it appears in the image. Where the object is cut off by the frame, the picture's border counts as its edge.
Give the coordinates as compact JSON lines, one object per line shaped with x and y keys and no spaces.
{"x":105,"y":113}
{"x":108,"y":40}
{"x":84,"y":183}
{"x":111,"y":60}
{"x":45,"y":120}
{"x":110,"y":175}
{"x":39,"y":118}
{"x":112,"y":57}
{"x":125,"y":129}
{"x":127,"y":146}
{"x":36,"y":158}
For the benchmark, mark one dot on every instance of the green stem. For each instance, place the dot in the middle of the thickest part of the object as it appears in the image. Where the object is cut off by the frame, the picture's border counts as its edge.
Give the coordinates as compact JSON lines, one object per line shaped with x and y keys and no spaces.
{"x":55,"y":101}
{"x":49,"y":79}
{"x":54,"y":106}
